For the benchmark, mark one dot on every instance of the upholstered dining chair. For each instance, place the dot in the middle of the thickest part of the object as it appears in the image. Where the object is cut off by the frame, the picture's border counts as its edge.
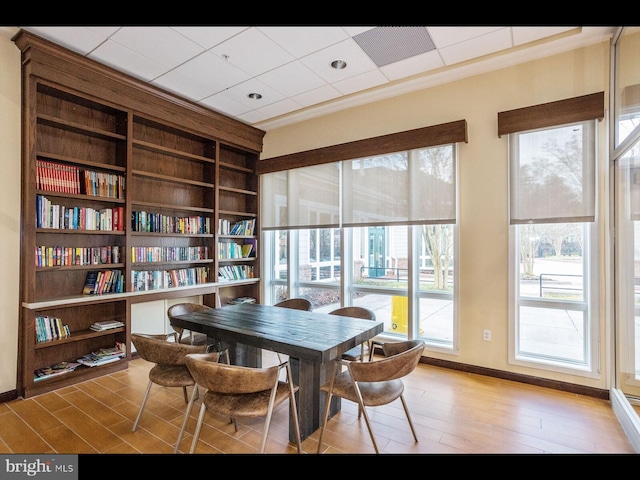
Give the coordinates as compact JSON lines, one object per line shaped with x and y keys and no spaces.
{"x":237,"y":391}
{"x":366,"y":348}
{"x":296,"y":304}
{"x":169,"y":370}
{"x":188,"y":336}
{"x":375,"y":383}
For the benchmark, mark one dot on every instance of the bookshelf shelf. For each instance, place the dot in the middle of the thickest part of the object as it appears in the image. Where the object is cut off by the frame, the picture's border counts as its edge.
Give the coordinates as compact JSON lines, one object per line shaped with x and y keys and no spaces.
{"x":98,"y":142}
{"x":78,"y":337}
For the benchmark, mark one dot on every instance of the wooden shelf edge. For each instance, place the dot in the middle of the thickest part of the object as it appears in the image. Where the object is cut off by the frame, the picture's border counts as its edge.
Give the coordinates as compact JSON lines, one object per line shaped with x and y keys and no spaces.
{"x":133,"y":296}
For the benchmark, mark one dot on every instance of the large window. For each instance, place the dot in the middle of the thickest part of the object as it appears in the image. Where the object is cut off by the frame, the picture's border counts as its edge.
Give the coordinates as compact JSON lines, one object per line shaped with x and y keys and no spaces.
{"x":377,"y":231}
{"x":626,"y":158}
{"x":554,"y":281}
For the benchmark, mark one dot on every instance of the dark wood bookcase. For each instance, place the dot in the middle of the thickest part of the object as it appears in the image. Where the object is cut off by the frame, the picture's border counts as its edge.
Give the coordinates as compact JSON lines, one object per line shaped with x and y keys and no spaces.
{"x":167,"y":174}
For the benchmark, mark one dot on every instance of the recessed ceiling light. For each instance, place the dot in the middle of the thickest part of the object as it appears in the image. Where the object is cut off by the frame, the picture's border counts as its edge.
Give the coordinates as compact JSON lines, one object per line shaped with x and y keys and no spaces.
{"x":339,"y":64}
{"x":255,"y":96}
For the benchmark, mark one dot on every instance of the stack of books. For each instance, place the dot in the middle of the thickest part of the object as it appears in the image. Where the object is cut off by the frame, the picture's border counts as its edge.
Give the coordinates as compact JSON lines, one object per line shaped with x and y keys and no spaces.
{"x":242,"y":300}
{"x":106,"y":325}
{"x":54,"y":370}
{"x":103,"y":356}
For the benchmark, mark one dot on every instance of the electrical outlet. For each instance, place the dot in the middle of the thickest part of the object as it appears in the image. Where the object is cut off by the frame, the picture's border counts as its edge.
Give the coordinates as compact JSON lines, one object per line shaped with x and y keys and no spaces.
{"x":486,"y":335}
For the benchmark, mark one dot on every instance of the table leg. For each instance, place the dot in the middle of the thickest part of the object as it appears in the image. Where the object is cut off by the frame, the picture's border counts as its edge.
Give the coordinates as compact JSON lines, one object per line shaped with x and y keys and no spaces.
{"x":241,"y":354}
{"x":310,"y":399}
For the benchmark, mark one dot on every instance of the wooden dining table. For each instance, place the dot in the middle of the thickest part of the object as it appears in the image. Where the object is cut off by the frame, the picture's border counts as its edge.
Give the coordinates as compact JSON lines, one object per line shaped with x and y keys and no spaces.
{"x":311,"y":340}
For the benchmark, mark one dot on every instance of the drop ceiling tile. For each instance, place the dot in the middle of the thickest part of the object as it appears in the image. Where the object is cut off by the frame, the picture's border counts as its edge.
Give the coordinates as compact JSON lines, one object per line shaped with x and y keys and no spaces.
{"x":370,"y":79}
{"x":253,"y":52}
{"x":184,"y":86}
{"x":128,"y":61}
{"x":292,"y":79}
{"x":210,"y":70}
{"x":301,"y":41}
{"x":161,"y":44}
{"x":240,"y":93}
{"x":208,"y":37}
{"x":445,"y":36}
{"x":413,"y":65}
{"x":318,"y":95}
{"x":357,"y":61}
{"x":279,"y":108}
{"x":529,"y":34}
{"x":79,"y":39}
{"x":477,"y":47}
{"x":225,"y":104}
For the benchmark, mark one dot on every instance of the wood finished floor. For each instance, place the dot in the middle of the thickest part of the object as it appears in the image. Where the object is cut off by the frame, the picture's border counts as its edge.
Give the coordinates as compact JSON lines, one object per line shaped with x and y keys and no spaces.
{"x":453,"y":413}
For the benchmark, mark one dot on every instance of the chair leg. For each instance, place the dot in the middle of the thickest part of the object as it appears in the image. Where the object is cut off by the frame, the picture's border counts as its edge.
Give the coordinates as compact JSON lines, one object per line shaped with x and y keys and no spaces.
{"x":144,"y":400}
{"x":366,"y":419}
{"x":361,"y":408}
{"x":196,"y":434}
{"x":327,"y":405}
{"x":194,"y":395}
{"x":294,"y":408}
{"x":406,"y":411}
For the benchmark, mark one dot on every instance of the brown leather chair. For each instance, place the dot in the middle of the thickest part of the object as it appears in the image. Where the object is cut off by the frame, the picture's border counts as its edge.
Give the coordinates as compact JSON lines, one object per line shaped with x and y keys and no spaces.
{"x":371,"y":384}
{"x":237,"y":391}
{"x":366,"y":348}
{"x":187,"y":336}
{"x":296,"y":304}
{"x":169,"y":370}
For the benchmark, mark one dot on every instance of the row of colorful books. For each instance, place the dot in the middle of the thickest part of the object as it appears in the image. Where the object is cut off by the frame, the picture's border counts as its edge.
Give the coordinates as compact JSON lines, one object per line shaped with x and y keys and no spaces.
{"x":63,"y":178}
{"x":67,"y":256}
{"x":103,"y":281}
{"x":50,"y":328}
{"x":143,"y":280}
{"x":241,"y":227}
{"x":229,"y":250}
{"x":142,"y":221}
{"x":235,"y":272}
{"x":52,"y":215}
{"x":168,"y":254}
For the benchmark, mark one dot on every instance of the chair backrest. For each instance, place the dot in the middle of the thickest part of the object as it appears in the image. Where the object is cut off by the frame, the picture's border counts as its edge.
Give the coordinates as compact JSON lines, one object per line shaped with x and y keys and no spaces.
{"x":184,"y":308}
{"x":357,"y":312}
{"x":156,"y":349}
{"x":223,"y":378}
{"x":296,"y":304}
{"x":400,"y":364}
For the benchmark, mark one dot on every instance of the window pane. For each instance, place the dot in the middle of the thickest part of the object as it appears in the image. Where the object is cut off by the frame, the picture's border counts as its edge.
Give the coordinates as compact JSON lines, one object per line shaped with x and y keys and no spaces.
{"x":436,"y":258}
{"x":280,"y":265}
{"x":557,"y":334}
{"x":435,"y":308}
{"x":436,"y":321}
{"x":380,"y":257}
{"x":552,"y":312}
{"x":551,"y":261}
{"x":552,"y":174}
{"x":319,"y":255}
{"x":323,"y":300}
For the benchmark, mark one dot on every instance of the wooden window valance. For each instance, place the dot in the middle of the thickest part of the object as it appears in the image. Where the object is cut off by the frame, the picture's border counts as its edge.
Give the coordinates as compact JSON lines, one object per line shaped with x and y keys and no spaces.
{"x":577,"y":109}
{"x":442,"y":134}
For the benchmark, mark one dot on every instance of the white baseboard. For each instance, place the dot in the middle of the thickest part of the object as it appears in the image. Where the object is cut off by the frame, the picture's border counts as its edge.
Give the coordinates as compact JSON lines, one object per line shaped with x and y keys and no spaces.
{"x":627,"y":417}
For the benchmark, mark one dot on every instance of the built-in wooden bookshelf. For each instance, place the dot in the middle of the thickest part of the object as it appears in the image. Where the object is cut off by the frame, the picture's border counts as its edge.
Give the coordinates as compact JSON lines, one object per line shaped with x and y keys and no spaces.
{"x":130,"y":181}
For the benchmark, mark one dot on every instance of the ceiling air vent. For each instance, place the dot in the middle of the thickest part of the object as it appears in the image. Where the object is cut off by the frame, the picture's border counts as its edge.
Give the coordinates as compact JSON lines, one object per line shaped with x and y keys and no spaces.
{"x":385,"y":45}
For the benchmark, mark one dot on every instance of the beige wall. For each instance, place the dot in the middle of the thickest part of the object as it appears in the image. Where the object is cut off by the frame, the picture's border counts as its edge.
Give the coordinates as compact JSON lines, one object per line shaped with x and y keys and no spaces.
{"x":483,"y":182}
{"x":483,"y":223}
{"x":10,"y":103}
